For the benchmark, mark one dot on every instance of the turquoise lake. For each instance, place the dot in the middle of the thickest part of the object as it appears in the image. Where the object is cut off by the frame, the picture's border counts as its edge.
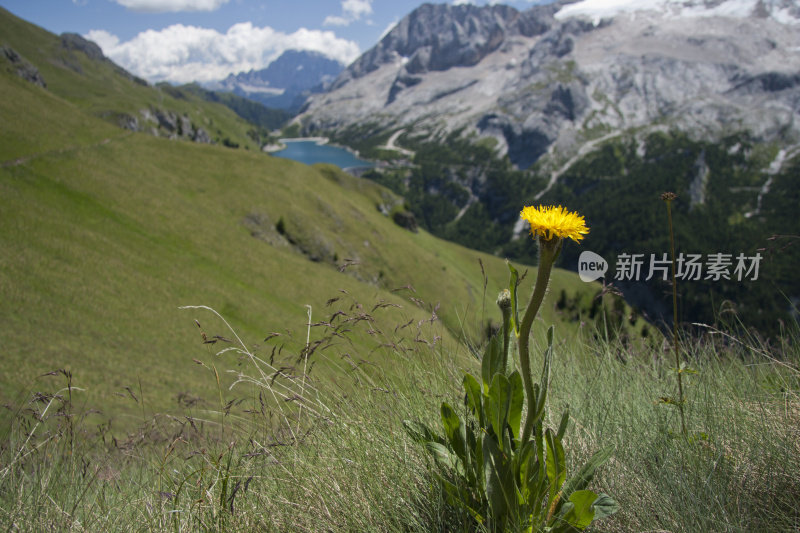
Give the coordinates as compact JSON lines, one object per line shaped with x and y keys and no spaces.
{"x":310,"y":152}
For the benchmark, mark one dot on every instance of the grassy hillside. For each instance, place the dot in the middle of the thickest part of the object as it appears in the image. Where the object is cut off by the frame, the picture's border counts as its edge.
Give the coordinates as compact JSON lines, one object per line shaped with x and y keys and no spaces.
{"x":112,"y":231}
{"x":265,"y":117}
{"x":74,"y":71}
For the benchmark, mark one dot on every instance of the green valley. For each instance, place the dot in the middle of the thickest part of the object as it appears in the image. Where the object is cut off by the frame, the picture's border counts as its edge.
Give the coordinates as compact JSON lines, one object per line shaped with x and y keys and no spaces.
{"x":114,"y":230}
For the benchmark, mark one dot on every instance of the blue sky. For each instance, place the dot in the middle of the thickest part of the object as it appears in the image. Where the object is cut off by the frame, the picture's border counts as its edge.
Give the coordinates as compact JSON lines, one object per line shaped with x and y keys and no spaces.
{"x":205,"y":40}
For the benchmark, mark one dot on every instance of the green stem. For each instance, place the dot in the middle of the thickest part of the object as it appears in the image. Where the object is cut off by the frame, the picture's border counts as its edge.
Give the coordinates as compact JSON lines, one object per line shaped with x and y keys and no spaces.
{"x":675,"y":318}
{"x":504,"y":303}
{"x":506,"y":330}
{"x":548,"y":251}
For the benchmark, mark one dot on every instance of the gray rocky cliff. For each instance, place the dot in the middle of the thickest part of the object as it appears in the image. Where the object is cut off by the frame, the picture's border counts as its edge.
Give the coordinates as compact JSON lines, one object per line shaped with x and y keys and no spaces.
{"x":442,"y":36}
{"x":23,"y":68}
{"x":72,"y":42}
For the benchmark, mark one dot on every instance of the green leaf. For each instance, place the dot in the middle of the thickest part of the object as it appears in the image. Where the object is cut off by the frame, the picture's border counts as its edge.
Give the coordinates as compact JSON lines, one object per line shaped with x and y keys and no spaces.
{"x":499,"y":483}
{"x":475,"y":443}
{"x":556,"y":464}
{"x":541,"y":396}
{"x":557,"y":524}
{"x":604,"y":506}
{"x":539,"y":440}
{"x":498,"y":405}
{"x":582,"y":512}
{"x":474,"y":398}
{"x":523,"y":459}
{"x":454,"y":431}
{"x":528,"y":472}
{"x":419,"y":432}
{"x":492,"y":362}
{"x":512,"y":288}
{"x":515,"y":405}
{"x":459,"y":498}
{"x":562,"y":427}
{"x":443,"y":457}
{"x":537,"y":415}
{"x":575,"y":514}
{"x":454,"y":496}
{"x":580,"y":480}
{"x":548,"y":356}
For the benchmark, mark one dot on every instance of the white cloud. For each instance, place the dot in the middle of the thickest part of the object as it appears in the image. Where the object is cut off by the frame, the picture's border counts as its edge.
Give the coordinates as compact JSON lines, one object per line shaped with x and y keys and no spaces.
{"x":357,"y":8}
{"x":333,"y":20}
{"x":184,"y":54}
{"x":104,"y":39}
{"x":352,"y":10}
{"x":164,"y":6}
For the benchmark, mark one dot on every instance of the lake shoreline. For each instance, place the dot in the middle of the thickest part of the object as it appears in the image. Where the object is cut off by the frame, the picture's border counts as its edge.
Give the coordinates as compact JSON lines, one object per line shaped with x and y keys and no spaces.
{"x":318,"y":140}
{"x":281,"y":144}
{"x":323,"y":143}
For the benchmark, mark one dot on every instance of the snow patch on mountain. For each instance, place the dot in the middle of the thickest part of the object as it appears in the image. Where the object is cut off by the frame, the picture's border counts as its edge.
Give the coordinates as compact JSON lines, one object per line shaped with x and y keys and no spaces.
{"x":783,"y":11}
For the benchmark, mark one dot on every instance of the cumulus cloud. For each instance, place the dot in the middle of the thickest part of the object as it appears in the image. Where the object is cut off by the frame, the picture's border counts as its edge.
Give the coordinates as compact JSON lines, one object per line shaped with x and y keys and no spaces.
{"x":352,"y":10}
{"x":165,"y":6}
{"x":104,"y":39}
{"x":183,"y":54}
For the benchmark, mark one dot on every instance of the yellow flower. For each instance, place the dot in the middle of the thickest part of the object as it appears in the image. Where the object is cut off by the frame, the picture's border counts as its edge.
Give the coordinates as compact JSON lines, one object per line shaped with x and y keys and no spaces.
{"x":555,"y":222}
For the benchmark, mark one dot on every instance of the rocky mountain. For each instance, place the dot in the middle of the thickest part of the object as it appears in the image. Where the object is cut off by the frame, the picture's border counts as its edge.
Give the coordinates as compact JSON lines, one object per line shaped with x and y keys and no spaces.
{"x":549,"y":80}
{"x":286,"y":82}
{"x":599,"y":106}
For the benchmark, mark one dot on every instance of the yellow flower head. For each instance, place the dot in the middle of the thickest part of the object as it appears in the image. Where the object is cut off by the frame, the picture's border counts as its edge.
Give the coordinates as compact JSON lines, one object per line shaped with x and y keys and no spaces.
{"x":551,"y":222}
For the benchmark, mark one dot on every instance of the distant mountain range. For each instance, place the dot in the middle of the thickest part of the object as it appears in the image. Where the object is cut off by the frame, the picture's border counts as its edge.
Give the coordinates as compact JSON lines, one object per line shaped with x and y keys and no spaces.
{"x":549,"y":79}
{"x":286,"y":82}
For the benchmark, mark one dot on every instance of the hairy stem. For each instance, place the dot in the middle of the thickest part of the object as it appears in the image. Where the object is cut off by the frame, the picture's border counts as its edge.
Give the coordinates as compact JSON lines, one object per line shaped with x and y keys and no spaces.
{"x":548,"y":251}
{"x":504,"y":303}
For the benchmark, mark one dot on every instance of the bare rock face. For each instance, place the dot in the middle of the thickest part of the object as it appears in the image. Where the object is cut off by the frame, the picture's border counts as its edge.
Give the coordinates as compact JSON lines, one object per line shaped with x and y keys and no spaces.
{"x":166,"y":123}
{"x":22,"y":67}
{"x":440,"y":37}
{"x":73,"y":41}
{"x":405,"y":219}
{"x":547,"y":80}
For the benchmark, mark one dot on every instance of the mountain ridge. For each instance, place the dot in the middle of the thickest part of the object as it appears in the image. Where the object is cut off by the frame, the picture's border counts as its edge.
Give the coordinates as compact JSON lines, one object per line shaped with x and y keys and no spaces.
{"x":546,"y":85}
{"x":286,"y":82}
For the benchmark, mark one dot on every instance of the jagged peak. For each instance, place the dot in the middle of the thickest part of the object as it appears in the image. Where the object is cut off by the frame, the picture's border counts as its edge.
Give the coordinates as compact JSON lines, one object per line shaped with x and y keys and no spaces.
{"x":441,"y":36}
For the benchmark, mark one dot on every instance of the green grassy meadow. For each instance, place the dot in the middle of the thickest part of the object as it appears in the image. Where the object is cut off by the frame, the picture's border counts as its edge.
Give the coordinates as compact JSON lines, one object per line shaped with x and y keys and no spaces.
{"x":118,"y":416}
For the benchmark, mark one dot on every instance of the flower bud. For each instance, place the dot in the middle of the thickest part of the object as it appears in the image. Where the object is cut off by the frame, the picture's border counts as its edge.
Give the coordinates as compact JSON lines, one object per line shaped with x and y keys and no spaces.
{"x":504,"y":299}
